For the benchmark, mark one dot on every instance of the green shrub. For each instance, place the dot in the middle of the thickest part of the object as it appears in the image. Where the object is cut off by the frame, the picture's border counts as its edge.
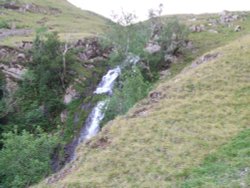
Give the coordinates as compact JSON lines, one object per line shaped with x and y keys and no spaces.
{"x":132,"y":89}
{"x":4,"y":24}
{"x":25,"y":158}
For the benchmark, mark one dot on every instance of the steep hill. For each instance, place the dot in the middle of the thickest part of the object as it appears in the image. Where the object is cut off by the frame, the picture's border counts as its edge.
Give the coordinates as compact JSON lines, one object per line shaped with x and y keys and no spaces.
{"x":191,"y":131}
{"x":20,"y":19}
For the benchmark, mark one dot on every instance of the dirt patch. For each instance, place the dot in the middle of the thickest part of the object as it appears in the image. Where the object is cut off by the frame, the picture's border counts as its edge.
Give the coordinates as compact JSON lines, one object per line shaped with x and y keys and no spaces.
{"x":102,"y":142}
{"x":204,"y":59}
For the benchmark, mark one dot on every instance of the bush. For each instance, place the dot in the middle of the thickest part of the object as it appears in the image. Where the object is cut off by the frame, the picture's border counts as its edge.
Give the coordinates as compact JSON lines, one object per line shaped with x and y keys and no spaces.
{"x":132,"y":89}
{"x":25,"y":158}
{"x":4,"y":24}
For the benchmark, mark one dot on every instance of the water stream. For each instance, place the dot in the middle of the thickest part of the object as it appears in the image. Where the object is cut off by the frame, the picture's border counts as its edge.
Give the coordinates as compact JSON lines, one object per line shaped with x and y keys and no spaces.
{"x":92,"y":124}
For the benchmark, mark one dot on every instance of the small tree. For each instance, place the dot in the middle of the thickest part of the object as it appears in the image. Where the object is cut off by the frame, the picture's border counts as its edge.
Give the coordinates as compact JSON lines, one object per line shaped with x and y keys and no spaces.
{"x":25,"y":158}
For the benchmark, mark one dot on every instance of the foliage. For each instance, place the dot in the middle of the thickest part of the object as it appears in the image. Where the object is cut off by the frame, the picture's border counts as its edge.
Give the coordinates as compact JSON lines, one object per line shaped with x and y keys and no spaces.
{"x":132,"y":88}
{"x":59,"y":18}
{"x":39,"y":95}
{"x":125,"y":36}
{"x":25,"y":158}
{"x":4,"y":24}
{"x":170,"y":133}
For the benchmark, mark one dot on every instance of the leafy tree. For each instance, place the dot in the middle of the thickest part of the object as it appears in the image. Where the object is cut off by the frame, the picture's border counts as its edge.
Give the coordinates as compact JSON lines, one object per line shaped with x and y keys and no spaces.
{"x":25,"y":158}
{"x":39,"y":96}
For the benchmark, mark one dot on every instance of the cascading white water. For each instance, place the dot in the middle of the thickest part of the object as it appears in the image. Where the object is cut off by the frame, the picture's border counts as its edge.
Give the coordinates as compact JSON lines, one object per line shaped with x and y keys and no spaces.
{"x":92,"y":127}
{"x":92,"y":124}
{"x":106,"y":85}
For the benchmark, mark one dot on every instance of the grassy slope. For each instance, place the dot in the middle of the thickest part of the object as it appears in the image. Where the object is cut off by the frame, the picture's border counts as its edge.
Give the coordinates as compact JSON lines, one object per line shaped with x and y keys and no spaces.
{"x":71,"y":23}
{"x":200,"y":110}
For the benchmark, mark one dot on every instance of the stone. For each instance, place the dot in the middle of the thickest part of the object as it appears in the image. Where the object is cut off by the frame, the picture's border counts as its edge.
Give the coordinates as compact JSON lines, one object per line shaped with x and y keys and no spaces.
{"x":197,"y":28}
{"x":21,"y":56}
{"x":152,"y":48}
{"x":237,"y":28}
{"x":169,"y":58}
{"x":11,"y":86}
{"x":70,"y":94}
{"x":64,"y":116}
{"x":227,"y":17}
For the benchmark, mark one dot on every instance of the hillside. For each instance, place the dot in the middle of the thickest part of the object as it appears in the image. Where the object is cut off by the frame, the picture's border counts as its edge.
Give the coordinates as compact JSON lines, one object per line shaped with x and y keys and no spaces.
{"x":20,"y":20}
{"x":191,"y":131}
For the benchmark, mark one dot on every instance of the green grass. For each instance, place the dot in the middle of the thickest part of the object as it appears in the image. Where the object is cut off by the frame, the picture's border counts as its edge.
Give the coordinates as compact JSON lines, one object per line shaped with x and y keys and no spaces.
{"x":228,"y":167}
{"x":163,"y":142}
{"x":72,"y":22}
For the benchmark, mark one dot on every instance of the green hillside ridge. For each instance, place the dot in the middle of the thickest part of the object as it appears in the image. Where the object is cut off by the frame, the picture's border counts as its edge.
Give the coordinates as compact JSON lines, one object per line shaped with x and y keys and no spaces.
{"x":181,"y":135}
{"x":61,"y":16}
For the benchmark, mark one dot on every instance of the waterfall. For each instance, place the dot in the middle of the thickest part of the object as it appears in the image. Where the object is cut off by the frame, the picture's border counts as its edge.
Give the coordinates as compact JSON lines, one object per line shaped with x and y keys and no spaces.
{"x":92,"y":124}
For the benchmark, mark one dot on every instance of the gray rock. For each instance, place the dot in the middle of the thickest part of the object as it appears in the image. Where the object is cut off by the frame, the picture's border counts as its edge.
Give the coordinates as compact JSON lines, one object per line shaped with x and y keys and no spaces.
{"x":152,"y":47}
{"x":21,"y":56}
{"x":64,"y":116}
{"x":197,"y":28}
{"x":70,"y":94}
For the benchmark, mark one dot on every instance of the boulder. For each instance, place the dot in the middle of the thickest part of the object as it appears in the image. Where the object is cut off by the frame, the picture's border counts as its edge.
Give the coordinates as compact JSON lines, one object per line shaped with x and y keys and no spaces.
{"x":21,"y":56}
{"x":13,"y":71}
{"x":227,"y":17}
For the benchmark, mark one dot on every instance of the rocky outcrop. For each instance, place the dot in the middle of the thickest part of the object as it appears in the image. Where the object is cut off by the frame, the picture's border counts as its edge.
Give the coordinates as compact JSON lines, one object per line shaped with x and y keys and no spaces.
{"x":30,"y":7}
{"x":70,"y":94}
{"x":91,"y":49}
{"x":152,"y":47}
{"x":14,"y":32}
{"x":227,"y":17}
{"x":197,"y":28}
{"x":12,"y":74}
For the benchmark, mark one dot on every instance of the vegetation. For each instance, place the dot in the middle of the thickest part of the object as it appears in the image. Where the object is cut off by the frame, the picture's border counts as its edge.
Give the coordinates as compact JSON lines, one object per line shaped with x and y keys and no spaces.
{"x":130,"y":39}
{"x":133,"y":88}
{"x":168,"y":135}
{"x":70,"y":22}
{"x":25,"y":158}
{"x":228,"y":167}
{"x":39,"y":95}
{"x":179,"y":136}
